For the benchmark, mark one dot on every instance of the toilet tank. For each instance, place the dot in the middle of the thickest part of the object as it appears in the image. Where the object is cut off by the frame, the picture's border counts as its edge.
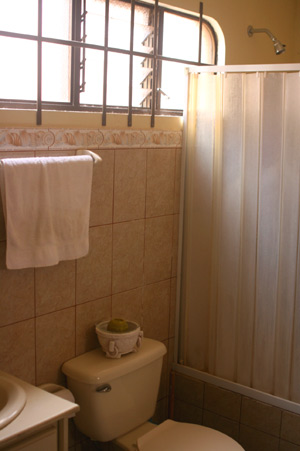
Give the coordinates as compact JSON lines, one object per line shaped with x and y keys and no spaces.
{"x":115,"y":395}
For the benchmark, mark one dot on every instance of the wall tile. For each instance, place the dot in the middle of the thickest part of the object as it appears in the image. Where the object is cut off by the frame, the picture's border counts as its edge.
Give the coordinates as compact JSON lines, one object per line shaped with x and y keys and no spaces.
{"x":15,"y":154}
{"x":15,"y":139}
{"x":102,"y":189}
{"x":75,"y":139}
{"x":173,"y":307}
{"x":188,"y":413}
{"x":55,"y":343}
{"x":2,"y":222}
{"x":261,"y":416}
{"x":55,"y":287}
{"x":261,"y":432}
{"x":171,"y":354}
{"x":175,"y":240}
{"x":17,"y":292}
{"x":54,"y":153}
{"x":128,"y":254}
{"x":123,"y":138}
{"x":130,"y":184}
{"x":156,"y":305}
{"x":87,"y":316}
{"x":128,"y":305}
{"x":177,"y":180}
{"x":222,"y":402}
{"x":290,"y":427}
{"x":287,"y":446}
{"x":161,"y":411}
{"x":18,"y":152}
{"x":93,"y":275}
{"x":160,"y":182}
{"x":189,"y":390}
{"x":158,"y":248}
{"x":36,"y":347}
{"x":164,"y":379}
{"x":17,"y":350}
{"x":222,"y":424}
{"x":254,"y":440}
{"x":161,"y":138}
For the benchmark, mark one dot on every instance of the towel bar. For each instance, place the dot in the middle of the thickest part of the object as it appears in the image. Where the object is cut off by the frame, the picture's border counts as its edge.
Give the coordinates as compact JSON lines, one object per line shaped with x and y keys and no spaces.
{"x":96,"y":158}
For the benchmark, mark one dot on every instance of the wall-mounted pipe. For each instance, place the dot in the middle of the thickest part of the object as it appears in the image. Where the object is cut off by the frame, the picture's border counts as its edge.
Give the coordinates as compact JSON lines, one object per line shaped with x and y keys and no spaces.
{"x":278,"y":46}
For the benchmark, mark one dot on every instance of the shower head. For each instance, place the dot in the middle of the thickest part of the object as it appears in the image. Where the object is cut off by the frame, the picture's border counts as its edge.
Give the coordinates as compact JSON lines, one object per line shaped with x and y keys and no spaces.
{"x":278,"y":46}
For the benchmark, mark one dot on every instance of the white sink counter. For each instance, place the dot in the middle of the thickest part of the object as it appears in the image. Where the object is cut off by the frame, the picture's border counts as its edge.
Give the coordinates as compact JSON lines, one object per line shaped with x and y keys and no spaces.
{"x":42,"y":409}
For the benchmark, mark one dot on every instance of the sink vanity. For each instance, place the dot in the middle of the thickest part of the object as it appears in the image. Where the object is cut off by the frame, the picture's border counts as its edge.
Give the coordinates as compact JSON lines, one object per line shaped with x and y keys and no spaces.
{"x":32,"y":419}
{"x":12,"y":399}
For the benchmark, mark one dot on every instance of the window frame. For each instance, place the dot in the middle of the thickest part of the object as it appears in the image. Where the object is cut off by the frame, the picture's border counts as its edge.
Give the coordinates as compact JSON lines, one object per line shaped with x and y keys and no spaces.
{"x":77,"y":43}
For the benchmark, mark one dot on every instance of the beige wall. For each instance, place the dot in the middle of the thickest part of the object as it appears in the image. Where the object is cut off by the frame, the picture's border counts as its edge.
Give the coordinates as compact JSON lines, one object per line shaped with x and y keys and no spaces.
{"x":254,"y":424}
{"x":234,"y":16}
{"x":297,"y":33}
{"x":48,"y":314}
{"x":282,"y":17}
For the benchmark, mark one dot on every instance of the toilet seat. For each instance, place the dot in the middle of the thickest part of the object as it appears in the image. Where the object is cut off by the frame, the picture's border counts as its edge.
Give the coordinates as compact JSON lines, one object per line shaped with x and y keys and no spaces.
{"x":174,"y":436}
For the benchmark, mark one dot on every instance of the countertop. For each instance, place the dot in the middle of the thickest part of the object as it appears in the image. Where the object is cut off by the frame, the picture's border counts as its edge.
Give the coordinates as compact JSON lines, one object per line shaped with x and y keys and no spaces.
{"x":41,"y":409}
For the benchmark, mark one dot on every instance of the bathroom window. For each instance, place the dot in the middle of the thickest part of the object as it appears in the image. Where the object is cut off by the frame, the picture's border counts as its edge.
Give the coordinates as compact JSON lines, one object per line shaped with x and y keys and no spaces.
{"x":102,"y":55}
{"x":19,"y":71}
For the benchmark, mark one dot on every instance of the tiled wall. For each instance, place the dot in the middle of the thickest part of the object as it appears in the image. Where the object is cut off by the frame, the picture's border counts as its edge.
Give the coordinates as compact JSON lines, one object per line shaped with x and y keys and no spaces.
{"x":257,"y":426}
{"x":48,"y":314}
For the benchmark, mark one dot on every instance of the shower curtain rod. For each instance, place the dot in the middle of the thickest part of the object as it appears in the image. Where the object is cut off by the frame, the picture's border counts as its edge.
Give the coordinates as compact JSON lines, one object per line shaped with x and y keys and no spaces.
{"x":248,"y":68}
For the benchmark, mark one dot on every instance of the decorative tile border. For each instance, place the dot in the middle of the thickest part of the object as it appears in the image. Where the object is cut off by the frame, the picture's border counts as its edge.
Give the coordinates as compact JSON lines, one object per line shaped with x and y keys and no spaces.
{"x":26,"y":139}
{"x":66,"y":139}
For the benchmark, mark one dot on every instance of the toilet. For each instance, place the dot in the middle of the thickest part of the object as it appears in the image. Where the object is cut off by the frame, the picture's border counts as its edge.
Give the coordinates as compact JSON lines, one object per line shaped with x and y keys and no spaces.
{"x":117,"y":397}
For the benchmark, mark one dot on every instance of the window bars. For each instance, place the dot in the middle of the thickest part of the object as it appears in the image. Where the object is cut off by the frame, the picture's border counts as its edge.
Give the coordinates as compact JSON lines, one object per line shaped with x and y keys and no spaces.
{"x":79,"y":45}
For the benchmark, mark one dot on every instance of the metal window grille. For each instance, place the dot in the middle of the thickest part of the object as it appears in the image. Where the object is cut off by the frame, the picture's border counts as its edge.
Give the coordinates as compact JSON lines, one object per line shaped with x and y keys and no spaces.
{"x":152,"y":62}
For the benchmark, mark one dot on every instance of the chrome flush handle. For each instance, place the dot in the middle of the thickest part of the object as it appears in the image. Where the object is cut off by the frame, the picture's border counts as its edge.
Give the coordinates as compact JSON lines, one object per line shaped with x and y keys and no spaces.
{"x":105,"y":388}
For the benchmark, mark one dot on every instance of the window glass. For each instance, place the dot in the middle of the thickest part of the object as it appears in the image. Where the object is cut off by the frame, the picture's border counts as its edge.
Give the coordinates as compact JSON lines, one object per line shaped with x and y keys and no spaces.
{"x":143,"y":29}
{"x":59,"y":14}
{"x":56,"y":59}
{"x":56,"y":12}
{"x":142,"y":82}
{"x":19,"y":16}
{"x":95,"y":21}
{"x":93,"y":91}
{"x":172,"y":85}
{"x":208,"y":50}
{"x":118,"y":64}
{"x":56,"y":67}
{"x":75,"y":76}
{"x":19,"y":79}
{"x":117,"y":80}
{"x":119,"y":24}
{"x":184,"y":44}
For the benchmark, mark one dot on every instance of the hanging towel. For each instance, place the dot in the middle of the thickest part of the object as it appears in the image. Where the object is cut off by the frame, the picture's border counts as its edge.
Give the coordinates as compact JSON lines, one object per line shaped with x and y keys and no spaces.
{"x":46,"y":204}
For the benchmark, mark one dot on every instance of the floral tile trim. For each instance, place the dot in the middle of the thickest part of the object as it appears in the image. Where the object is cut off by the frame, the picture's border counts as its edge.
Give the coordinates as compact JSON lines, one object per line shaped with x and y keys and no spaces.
{"x":27,"y":139}
{"x":68,"y":139}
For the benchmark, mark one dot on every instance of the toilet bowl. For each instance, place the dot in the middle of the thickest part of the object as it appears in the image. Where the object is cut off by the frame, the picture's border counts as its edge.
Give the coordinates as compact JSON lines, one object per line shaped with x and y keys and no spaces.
{"x":118,"y":396}
{"x":174,"y":436}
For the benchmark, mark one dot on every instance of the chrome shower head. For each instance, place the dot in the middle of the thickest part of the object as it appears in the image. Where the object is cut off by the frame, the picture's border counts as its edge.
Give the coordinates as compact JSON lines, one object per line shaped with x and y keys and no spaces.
{"x":278,"y":46}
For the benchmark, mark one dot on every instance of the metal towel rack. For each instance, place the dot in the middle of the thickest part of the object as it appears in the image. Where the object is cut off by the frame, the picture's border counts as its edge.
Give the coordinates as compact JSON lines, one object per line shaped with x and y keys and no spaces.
{"x":95,"y":157}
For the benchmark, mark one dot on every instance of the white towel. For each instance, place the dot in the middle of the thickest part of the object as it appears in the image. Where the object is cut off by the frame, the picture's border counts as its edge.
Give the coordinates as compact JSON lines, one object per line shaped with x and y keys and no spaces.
{"x":46,"y":203}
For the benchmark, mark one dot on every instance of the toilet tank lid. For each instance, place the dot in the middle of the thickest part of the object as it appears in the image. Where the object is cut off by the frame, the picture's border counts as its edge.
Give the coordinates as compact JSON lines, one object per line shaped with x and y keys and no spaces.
{"x":192,"y":437}
{"x":94,"y":367}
